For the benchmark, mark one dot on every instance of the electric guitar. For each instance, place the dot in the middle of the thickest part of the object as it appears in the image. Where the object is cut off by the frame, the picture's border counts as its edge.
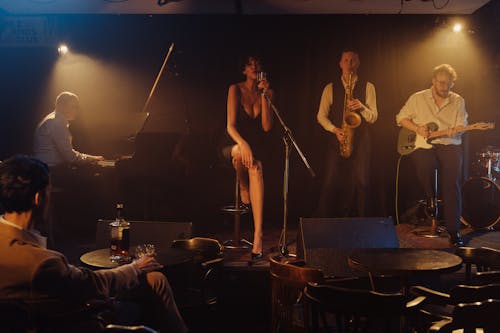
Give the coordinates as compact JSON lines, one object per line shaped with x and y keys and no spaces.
{"x":408,"y":140}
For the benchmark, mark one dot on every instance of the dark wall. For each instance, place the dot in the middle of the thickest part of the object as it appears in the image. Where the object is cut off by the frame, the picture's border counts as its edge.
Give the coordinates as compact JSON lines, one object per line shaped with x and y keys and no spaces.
{"x":301,"y":55}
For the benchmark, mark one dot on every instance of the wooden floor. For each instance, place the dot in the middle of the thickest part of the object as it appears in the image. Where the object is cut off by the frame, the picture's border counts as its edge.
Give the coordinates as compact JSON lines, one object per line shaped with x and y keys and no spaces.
{"x":407,"y":233}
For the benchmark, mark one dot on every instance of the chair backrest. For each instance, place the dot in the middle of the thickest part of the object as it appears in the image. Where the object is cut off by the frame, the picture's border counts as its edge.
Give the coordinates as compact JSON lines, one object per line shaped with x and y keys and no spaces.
{"x":292,"y":275}
{"x":199,"y":276}
{"x":481,"y":278}
{"x":351,"y":305}
{"x":202,"y":248}
{"x":356,"y":301}
{"x":287,"y":284}
{"x":469,"y":316}
{"x":440,"y":305}
{"x":469,"y":294}
{"x":484,"y":258}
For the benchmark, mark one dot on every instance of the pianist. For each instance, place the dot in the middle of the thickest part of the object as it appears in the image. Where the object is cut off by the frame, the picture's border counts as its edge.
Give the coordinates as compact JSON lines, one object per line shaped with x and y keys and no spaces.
{"x":52,"y":140}
{"x":71,"y":173}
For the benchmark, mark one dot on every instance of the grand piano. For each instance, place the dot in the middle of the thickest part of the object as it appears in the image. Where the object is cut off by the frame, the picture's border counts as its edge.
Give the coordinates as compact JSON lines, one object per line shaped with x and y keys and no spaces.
{"x":157,"y":167}
{"x":172,"y":171}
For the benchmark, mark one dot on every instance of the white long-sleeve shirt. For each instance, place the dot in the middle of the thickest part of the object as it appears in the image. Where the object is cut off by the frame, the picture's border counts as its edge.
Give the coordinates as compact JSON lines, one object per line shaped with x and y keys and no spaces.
{"x":53,"y":142}
{"x":421,"y":108}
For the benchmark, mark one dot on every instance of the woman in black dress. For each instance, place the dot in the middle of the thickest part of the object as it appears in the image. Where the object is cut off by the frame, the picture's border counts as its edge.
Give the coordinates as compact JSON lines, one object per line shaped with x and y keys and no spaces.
{"x":249,"y":116}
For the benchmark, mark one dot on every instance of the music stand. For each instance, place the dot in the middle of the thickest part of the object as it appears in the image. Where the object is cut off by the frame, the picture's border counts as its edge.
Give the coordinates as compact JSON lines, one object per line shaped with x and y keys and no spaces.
{"x":287,"y":140}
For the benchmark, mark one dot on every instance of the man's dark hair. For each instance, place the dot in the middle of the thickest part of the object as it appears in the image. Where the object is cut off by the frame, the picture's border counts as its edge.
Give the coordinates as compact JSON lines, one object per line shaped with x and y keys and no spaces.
{"x":21,"y":177}
{"x":349,"y":48}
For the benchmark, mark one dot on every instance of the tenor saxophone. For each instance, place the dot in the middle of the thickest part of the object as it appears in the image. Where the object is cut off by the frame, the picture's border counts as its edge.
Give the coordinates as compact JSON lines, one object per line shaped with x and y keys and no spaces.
{"x":350,"y":120}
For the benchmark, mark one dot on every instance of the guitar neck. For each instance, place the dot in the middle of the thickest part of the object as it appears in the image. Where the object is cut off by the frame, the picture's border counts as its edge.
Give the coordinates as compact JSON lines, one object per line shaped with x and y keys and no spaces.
{"x":437,"y":134}
{"x":408,"y":141}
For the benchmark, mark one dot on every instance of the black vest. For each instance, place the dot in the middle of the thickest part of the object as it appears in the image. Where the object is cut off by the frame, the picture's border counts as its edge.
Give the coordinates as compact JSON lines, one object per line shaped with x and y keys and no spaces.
{"x":337,"y":107}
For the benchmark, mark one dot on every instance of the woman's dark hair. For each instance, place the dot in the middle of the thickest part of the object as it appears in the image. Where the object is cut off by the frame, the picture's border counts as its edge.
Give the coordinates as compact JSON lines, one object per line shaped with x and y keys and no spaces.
{"x":243,"y":61}
{"x":21,"y":177}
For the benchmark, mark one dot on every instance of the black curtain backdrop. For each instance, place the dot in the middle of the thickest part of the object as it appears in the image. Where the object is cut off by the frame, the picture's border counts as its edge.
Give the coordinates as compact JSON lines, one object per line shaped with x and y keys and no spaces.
{"x":300,"y":54}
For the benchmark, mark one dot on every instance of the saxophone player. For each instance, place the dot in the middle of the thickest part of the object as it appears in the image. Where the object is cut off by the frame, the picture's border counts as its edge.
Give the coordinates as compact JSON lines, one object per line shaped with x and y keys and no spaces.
{"x":346,"y":175}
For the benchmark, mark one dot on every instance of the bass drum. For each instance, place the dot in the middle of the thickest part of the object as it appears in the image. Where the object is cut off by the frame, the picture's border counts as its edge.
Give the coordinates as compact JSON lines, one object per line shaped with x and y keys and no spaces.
{"x":480,"y":203}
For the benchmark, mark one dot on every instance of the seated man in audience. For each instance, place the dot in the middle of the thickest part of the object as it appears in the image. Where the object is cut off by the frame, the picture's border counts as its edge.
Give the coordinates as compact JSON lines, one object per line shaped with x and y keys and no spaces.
{"x":30,"y":272}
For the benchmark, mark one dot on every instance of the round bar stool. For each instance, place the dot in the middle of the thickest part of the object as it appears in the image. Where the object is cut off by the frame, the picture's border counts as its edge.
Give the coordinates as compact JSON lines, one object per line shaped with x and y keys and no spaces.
{"x":431,"y":208}
{"x":236,"y":210}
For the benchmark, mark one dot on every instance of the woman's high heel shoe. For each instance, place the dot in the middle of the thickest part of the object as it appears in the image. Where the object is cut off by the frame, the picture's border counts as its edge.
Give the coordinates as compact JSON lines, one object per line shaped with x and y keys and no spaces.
{"x":257,"y":256}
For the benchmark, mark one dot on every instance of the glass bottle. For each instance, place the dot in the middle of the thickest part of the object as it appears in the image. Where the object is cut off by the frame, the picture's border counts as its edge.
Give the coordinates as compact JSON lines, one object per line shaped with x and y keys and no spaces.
{"x":119,"y":237}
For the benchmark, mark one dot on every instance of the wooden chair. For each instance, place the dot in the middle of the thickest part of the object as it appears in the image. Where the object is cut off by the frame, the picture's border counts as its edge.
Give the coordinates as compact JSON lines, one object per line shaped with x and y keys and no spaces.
{"x":437,"y":306}
{"x":467,"y":317}
{"x":198,"y":287}
{"x":202,"y":248}
{"x":488,"y":277}
{"x":287,"y":284}
{"x":483,"y":258}
{"x":355,"y":310}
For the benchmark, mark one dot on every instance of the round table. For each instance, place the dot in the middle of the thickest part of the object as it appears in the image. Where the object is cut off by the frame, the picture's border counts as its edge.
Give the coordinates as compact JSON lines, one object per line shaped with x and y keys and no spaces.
{"x":404,"y":262}
{"x":167,"y":257}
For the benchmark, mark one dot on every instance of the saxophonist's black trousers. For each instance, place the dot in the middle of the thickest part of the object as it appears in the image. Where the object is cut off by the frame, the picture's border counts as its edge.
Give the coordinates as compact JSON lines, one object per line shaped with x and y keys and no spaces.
{"x":345,"y":184}
{"x":448,"y":160}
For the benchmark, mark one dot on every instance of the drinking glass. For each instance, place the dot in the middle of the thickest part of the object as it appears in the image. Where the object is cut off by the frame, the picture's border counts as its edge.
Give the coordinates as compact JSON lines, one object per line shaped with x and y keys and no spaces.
{"x":145,"y":250}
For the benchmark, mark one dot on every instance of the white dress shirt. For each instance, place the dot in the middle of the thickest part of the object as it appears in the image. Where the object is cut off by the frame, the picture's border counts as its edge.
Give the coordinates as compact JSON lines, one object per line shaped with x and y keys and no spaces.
{"x":421,"y":108}
{"x":53,"y":142}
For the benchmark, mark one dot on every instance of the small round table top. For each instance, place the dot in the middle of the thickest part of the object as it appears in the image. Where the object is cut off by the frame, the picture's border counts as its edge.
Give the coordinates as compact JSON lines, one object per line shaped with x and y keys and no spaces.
{"x":404,"y":261}
{"x":167,"y":257}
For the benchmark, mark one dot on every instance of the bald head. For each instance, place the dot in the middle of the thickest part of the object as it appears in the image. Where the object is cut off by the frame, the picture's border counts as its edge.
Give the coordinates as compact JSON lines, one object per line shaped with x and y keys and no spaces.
{"x":67,"y":104}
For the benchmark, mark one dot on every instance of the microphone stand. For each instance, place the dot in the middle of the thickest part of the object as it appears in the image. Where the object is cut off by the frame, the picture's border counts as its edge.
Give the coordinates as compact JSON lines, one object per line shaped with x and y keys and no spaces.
{"x":287,"y":140}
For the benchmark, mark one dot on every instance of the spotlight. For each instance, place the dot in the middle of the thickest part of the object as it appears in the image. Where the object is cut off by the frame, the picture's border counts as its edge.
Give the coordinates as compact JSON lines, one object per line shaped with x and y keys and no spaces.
{"x":457,"y":27}
{"x":62,"y":49}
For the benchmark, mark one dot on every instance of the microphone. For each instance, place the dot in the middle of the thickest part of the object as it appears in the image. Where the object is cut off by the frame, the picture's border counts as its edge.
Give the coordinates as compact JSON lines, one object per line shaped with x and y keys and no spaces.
{"x":261,"y":76}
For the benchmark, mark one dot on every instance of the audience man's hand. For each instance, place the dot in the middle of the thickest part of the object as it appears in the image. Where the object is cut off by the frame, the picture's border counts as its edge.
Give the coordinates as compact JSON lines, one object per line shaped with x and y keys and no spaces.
{"x":147,"y":264}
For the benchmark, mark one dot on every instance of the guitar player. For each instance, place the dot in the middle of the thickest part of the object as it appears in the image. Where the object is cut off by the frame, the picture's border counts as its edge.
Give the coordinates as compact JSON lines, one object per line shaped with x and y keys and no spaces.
{"x":446,"y":109}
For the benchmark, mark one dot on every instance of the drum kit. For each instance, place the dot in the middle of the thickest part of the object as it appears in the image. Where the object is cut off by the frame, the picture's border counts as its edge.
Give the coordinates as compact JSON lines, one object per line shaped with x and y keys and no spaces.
{"x":480,"y":194}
